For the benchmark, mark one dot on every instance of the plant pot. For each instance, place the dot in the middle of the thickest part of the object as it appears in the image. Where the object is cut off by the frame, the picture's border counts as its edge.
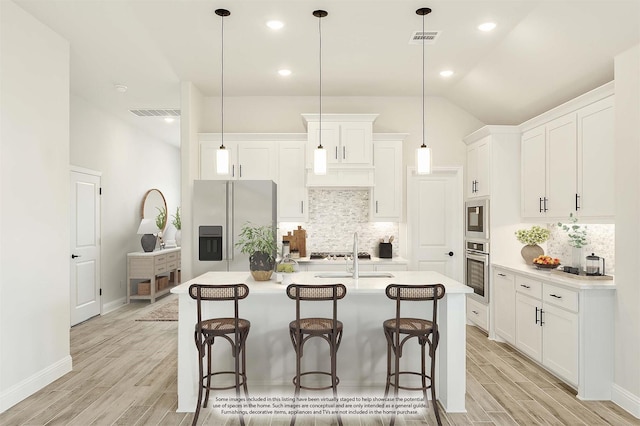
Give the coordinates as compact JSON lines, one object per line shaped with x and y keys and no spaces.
{"x":530,"y":252}
{"x":178,"y":237}
{"x":576,"y":257}
{"x":261,"y":266}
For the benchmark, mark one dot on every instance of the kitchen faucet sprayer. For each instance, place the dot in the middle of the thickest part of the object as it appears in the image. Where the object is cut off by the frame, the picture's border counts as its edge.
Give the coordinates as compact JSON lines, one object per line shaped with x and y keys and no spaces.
{"x":356,"y":272}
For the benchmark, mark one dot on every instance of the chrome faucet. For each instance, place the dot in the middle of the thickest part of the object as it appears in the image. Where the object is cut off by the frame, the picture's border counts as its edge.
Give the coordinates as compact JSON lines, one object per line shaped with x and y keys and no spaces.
{"x":356,"y":272}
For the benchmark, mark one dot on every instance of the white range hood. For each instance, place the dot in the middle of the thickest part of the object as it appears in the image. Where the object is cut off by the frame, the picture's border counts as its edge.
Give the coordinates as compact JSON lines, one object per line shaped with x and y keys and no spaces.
{"x":342,"y":177}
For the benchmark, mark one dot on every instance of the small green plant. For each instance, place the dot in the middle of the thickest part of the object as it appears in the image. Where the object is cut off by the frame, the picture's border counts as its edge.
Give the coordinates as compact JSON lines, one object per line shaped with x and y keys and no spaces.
{"x":576,"y":233}
{"x":161,"y":218}
{"x":255,"y":238}
{"x":533,"y":236}
{"x":177,"y":222}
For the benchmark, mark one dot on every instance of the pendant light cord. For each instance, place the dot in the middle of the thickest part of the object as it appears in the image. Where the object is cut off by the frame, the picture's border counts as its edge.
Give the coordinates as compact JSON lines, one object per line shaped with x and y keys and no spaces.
{"x":423,"y":39}
{"x":320,"y":61}
{"x":222,"y":83}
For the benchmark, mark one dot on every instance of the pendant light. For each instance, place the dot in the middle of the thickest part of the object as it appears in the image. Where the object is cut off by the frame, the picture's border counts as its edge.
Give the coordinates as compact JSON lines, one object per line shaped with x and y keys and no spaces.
{"x":423,"y":154}
{"x":320,"y":154}
{"x":222,"y":155}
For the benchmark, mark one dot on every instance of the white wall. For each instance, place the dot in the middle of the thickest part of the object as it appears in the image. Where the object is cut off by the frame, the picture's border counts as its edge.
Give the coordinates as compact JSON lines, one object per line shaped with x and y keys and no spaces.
{"x":131,"y":163}
{"x":34,"y":201}
{"x":626,"y":390}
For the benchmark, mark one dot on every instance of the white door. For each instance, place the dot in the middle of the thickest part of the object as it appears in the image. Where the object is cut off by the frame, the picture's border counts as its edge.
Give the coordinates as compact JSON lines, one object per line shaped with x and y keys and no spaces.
{"x":435,"y":222}
{"x":85,"y":246}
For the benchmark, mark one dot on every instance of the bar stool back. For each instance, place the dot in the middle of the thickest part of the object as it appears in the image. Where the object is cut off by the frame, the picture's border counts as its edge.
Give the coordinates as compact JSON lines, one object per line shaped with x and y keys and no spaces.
{"x":234,"y":330}
{"x":400,"y":329}
{"x":303,"y":329}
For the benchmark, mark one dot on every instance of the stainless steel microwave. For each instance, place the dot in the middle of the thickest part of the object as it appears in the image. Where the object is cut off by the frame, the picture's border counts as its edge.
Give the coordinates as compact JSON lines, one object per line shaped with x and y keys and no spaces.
{"x":477,"y":219}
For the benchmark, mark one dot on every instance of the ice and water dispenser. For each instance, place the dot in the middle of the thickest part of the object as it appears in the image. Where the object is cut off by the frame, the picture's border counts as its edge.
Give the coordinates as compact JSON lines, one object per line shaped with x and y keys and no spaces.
{"x":210,"y":243}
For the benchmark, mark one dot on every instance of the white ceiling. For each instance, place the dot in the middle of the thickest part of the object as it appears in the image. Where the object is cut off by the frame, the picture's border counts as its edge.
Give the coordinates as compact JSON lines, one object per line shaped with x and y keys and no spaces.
{"x":541,"y":54}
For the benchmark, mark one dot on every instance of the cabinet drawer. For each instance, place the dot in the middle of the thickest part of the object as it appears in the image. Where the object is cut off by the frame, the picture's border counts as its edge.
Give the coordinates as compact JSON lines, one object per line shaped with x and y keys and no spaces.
{"x":160,"y":268}
{"x":528,"y":286}
{"x":477,"y":313}
{"x":172,"y":256}
{"x":140,"y":267}
{"x":161,"y":259}
{"x":561,"y":297}
{"x":172,"y":265}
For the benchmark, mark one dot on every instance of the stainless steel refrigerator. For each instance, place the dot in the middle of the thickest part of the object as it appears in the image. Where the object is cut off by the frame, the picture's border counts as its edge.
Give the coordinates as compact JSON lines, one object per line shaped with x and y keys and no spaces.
{"x":220,"y":208}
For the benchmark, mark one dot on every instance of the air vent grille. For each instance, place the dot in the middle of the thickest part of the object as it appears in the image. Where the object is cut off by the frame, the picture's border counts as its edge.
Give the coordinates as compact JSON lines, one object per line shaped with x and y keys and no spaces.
{"x":426,"y":37}
{"x":156,"y":112}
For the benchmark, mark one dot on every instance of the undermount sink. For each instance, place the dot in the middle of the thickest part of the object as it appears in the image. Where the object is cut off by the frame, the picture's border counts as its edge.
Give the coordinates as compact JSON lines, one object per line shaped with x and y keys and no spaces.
{"x":348,"y":275}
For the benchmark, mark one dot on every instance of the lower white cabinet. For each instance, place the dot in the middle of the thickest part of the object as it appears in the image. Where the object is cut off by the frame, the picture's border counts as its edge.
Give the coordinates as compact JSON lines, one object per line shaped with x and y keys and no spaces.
{"x":477,"y":313}
{"x":504,"y":297}
{"x":566,"y":328}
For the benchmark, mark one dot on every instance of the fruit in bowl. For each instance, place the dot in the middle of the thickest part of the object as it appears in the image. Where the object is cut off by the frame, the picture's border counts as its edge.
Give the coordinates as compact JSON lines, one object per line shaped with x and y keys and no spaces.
{"x":546,"y":261}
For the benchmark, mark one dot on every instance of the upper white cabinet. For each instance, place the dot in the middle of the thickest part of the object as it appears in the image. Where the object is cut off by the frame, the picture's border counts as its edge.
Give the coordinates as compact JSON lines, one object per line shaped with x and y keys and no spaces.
{"x":250,"y":157}
{"x":386,"y":199}
{"x":568,"y":159}
{"x":292,"y":191}
{"x":478,"y":166}
{"x":348,"y":138}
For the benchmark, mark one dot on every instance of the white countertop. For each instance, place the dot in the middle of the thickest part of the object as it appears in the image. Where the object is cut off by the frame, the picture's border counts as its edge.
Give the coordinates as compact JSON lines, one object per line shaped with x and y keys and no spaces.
{"x":340,"y":261}
{"x":361,"y":285}
{"x":547,"y":275}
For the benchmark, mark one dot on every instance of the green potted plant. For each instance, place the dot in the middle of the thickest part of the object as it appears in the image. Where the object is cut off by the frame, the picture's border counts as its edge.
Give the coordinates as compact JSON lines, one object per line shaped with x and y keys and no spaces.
{"x":177,"y":223}
{"x":259,"y":242}
{"x":577,"y":239}
{"x":531,"y":238}
{"x":161,"y":223}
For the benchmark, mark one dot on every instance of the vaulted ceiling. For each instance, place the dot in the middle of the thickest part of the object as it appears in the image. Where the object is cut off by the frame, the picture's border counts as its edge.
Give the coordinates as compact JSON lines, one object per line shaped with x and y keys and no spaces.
{"x":541,"y":53}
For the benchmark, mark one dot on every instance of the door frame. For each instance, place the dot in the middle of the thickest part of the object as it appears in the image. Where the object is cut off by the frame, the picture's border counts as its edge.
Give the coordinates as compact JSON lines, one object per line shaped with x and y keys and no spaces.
{"x":456,"y":172}
{"x":98,"y":174}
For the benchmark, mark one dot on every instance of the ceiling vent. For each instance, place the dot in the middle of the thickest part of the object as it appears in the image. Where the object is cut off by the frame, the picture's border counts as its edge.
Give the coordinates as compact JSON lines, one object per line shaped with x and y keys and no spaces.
{"x":426,"y":37}
{"x":156,"y":112}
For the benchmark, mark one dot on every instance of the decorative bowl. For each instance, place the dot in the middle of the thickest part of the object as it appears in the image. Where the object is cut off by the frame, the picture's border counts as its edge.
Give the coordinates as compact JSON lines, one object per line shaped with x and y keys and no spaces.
{"x":545,"y":266}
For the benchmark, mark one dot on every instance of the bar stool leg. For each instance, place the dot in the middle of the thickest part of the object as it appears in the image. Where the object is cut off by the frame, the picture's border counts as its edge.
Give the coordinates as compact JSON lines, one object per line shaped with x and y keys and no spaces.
{"x":397,"y":380}
{"x":209,"y":349}
{"x":200,"y":371}
{"x":386,"y":388}
{"x":298,"y":349}
{"x":244,"y":371}
{"x":424,"y":372}
{"x":432,"y":354}
{"x":334,"y":376}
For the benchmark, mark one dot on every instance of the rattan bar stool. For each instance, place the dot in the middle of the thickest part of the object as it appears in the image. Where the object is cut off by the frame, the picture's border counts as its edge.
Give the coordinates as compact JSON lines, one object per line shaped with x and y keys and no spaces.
{"x":399,"y":330}
{"x":303,"y":329}
{"x":234,"y":330}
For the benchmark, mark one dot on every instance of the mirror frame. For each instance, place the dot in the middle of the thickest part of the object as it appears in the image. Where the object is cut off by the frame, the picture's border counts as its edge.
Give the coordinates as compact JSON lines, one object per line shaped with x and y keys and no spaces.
{"x":144,"y":201}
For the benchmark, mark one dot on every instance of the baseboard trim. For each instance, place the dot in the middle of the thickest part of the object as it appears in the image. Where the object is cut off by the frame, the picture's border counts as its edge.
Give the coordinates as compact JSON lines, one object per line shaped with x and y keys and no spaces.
{"x":31,"y":385}
{"x":626,"y":400}
{"x":112,"y":306}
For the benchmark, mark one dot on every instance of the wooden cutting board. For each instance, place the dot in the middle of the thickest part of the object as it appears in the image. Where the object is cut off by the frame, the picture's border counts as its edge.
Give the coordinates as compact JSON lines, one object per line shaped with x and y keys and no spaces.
{"x":297,"y":240}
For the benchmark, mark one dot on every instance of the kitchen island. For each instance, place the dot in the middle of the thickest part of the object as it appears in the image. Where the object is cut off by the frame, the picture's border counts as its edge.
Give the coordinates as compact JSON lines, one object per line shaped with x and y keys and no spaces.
{"x":362,"y":354}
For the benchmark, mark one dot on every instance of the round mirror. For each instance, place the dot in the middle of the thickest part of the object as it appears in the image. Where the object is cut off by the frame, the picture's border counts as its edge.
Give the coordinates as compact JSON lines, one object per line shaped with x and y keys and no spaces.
{"x":152,"y":203}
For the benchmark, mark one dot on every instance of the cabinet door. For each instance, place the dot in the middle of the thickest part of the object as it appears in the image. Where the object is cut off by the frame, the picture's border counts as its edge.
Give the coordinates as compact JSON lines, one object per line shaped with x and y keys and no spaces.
{"x":483,"y":184}
{"x":356,"y":143}
{"x":208,"y":150}
{"x":533,"y":172}
{"x":387,"y":192}
{"x":561,"y":166}
{"x":504,"y":296}
{"x":528,"y":329}
{"x":257,"y":160}
{"x":596,"y":159}
{"x":292,"y":192}
{"x":330,"y":141}
{"x":560,"y":342}
{"x":472,"y":170}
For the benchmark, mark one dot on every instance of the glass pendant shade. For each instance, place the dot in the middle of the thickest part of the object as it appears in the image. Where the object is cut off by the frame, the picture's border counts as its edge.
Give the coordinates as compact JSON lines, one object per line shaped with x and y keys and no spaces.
{"x":320,"y":161}
{"x":222,"y":161}
{"x":423,"y":160}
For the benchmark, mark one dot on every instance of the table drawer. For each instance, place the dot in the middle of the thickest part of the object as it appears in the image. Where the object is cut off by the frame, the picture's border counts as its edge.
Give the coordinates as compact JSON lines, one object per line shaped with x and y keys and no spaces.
{"x":561,"y":297}
{"x":140,"y":267}
{"x":529,"y":286}
{"x":172,"y":256}
{"x":161,"y":259}
{"x":161,"y":268}
{"x":172,"y":265}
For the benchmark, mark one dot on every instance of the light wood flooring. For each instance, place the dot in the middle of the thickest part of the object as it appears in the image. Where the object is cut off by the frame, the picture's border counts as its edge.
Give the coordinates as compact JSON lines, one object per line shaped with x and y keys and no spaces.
{"x":124,"y":373}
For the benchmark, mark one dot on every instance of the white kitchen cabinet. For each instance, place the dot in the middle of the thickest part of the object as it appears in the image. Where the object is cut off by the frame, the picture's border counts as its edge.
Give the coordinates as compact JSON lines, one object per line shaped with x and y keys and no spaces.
{"x":478,"y":168}
{"x":528,"y":329}
{"x":386,"y":200}
{"x":567,"y":160}
{"x":504,"y":297}
{"x":478,"y":313}
{"x":596,"y":159}
{"x":386,"y":267}
{"x":292,"y":191}
{"x":248,"y":160}
{"x":560,"y":342}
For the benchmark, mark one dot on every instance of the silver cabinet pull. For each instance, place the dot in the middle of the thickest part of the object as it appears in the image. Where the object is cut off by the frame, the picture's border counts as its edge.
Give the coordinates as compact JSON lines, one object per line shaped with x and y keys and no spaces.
{"x":240,"y":167}
{"x":475,"y":312}
{"x":525,"y":286}
{"x":301,"y":206}
{"x":344,"y":152}
{"x":336,"y":152}
{"x":502,"y":275}
{"x":556,"y":296}
{"x":376,"y":206}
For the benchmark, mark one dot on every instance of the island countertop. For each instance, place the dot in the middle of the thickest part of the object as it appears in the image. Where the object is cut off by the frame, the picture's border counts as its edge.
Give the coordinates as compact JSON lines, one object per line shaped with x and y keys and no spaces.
{"x":362,"y":354}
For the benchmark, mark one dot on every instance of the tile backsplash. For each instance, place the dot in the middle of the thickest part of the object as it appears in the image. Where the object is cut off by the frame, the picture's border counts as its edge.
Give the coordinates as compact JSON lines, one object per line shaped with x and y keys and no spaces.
{"x":334,"y":215}
{"x":600,"y":240}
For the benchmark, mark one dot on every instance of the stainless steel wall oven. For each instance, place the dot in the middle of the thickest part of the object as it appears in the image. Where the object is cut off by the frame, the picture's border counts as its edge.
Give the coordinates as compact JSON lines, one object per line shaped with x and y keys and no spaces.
{"x":476,"y":213}
{"x":477,"y":269}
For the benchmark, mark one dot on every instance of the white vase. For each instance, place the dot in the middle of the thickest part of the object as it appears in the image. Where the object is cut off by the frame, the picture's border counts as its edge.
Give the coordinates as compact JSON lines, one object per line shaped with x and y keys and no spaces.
{"x":178,"y":238}
{"x":576,"y":257}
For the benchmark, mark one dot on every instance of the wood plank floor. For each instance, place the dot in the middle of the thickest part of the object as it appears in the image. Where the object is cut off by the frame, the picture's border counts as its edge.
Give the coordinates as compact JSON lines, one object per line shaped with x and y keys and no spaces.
{"x":124,"y":373}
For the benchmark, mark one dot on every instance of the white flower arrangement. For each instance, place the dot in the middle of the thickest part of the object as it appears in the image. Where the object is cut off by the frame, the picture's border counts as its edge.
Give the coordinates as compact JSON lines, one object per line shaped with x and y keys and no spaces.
{"x":533,"y":236}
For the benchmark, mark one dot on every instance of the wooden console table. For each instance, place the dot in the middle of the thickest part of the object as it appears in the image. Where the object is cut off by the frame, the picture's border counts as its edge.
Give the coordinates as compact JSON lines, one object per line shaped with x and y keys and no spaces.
{"x":148,"y":266}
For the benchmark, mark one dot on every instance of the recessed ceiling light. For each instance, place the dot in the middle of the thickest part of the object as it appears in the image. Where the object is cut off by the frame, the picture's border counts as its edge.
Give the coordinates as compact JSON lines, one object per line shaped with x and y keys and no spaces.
{"x":446,"y":73}
{"x":121,"y":88}
{"x":487,"y":26}
{"x":275,"y":25}
{"x":284,"y":73}
{"x":169,"y":119}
